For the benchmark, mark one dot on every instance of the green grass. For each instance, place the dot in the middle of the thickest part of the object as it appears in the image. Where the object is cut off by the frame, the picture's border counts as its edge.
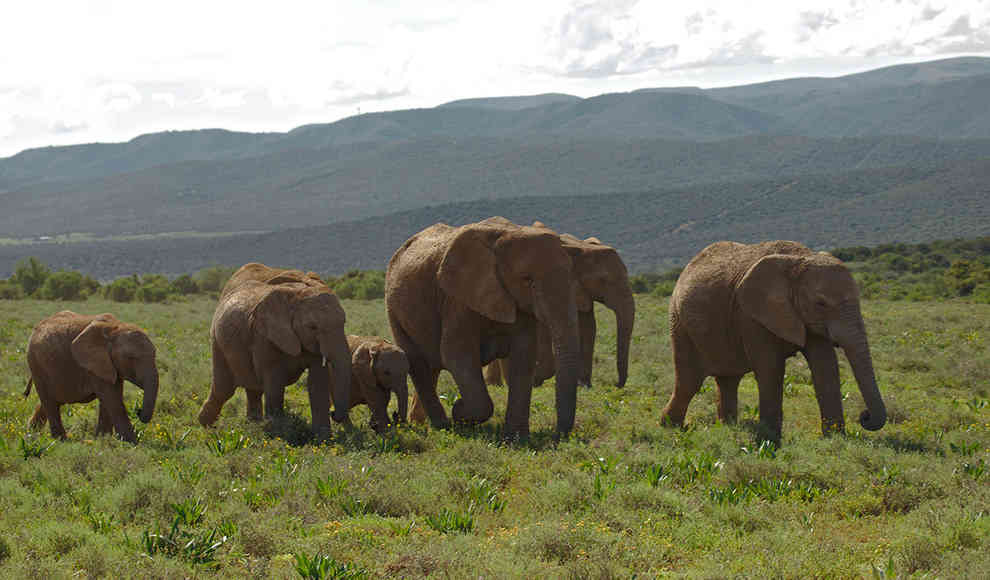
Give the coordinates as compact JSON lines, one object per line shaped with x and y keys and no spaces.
{"x":622,"y":496}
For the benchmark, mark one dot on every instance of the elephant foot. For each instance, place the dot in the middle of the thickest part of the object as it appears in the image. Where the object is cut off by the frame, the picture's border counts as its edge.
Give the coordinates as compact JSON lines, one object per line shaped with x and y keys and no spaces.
{"x":467,"y":416}
{"x":833,"y":427}
{"x":207,"y":416}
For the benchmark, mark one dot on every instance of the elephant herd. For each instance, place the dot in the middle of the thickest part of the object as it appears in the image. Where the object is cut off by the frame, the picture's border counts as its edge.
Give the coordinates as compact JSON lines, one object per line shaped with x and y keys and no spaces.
{"x":518,"y":299}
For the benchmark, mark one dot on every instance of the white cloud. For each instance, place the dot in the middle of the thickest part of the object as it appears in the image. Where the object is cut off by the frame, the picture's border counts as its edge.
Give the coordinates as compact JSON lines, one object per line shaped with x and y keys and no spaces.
{"x":112,"y":70}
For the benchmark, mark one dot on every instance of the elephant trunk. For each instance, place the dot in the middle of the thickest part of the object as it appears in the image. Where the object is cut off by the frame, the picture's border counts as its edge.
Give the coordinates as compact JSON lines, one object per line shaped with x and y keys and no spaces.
{"x":401,"y":390}
{"x":562,"y":319}
{"x":624,"y":306}
{"x":150,"y":385}
{"x":850,"y":334}
{"x":335,"y":351}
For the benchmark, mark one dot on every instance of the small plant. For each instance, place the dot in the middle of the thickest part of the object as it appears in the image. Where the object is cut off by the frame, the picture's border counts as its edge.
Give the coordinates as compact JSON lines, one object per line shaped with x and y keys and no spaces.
{"x":257,"y":500}
{"x":387,"y":443}
{"x":702,"y":467}
{"x":329,"y":488}
{"x":965,"y":449}
{"x":190,"y":512}
{"x":175,"y":442}
{"x":34,"y":447}
{"x":100,"y":522}
{"x":227,"y":443}
{"x":286,"y":465}
{"x":198,"y":548}
{"x":975,"y":469}
{"x":602,"y":487}
{"x":187,"y":474}
{"x":656,"y":474}
{"x":320,"y":567}
{"x":766,"y":450}
{"x":401,"y":529}
{"x":731,"y":494}
{"x":484,"y":493}
{"x":884,"y":572}
{"x":353,"y":507}
{"x":450,"y":521}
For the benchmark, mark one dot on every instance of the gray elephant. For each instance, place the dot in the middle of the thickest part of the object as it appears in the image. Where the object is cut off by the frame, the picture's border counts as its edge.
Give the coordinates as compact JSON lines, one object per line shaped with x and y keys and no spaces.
{"x":738,"y":308}
{"x":75,"y":358}
{"x":264,"y":335}
{"x":459,"y":297}
{"x":378,"y":369}
{"x":602,"y":277}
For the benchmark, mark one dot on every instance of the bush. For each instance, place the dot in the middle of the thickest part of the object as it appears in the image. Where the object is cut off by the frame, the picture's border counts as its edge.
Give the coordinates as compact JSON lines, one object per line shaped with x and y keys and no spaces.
{"x":10,"y":291}
{"x":185,"y":285}
{"x":212,"y":279}
{"x":121,"y":289}
{"x":30,"y":274}
{"x":363,"y":285}
{"x":153,"y":288}
{"x":62,"y":285}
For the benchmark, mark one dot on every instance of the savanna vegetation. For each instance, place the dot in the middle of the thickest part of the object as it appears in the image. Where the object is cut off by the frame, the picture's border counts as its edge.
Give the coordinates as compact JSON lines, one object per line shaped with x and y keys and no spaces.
{"x":622,"y":496}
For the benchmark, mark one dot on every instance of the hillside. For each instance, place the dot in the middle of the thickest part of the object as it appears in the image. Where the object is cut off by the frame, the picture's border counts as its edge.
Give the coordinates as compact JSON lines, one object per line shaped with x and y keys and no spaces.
{"x":316,"y":187}
{"x":652,"y":229}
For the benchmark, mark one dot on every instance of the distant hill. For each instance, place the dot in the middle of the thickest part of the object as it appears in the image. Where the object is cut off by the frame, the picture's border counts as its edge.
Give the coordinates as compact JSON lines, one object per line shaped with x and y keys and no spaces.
{"x":660,"y":171}
{"x":652,"y":229}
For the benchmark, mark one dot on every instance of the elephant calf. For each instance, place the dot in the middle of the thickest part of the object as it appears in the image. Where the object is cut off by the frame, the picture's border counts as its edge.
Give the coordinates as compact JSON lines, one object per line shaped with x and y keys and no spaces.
{"x":75,"y":358}
{"x":378,"y":369}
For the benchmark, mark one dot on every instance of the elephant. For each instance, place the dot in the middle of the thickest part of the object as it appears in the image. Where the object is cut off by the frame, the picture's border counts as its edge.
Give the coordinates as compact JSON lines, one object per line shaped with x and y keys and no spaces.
{"x":459,"y":297}
{"x":267,"y":274}
{"x":738,"y":308}
{"x":75,"y":358}
{"x":378,"y":369}
{"x":264,"y":335}
{"x":602,"y":277}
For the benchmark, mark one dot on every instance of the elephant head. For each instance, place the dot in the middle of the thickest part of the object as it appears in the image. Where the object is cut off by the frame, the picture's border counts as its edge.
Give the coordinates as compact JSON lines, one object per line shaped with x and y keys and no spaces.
{"x":497,"y":268}
{"x":299,"y":318}
{"x":602,"y":277}
{"x":113,"y":351}
{"x":794,"y":295}
{"x":382,"y":368}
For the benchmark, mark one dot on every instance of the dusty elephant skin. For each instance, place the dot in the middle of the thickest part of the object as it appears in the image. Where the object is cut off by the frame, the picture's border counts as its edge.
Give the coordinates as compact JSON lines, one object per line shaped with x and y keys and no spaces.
{"x":266,"y":333}
{"x":602,"y":277}
{"x":459,"y":297}
{"x":75,"y":358}
{"x":738,"y":308}
{"x":378,"y":369}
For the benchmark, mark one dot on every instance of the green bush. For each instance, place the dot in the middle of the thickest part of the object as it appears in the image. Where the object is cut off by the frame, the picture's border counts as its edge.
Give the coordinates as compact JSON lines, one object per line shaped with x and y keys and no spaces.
{"x":185,"y":285}
{"x":121,"y":289}
{"x":30,"y":274}
{"x":62,"y":285}
{"x":363,"y":285}
{"x":212,"y":279}
{"x":153,"y":288}
{"x":10,"y":291}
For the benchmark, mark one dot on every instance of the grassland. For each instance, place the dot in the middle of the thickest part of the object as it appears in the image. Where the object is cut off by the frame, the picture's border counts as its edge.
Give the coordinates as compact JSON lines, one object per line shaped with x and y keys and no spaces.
{"x":622,"y":496}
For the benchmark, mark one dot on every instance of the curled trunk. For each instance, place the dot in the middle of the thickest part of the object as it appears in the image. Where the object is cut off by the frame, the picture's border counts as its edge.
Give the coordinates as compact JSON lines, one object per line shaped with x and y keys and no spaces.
{"x":850,"y":334}
{"x":150,"y":386}
{"x":401,"y":391}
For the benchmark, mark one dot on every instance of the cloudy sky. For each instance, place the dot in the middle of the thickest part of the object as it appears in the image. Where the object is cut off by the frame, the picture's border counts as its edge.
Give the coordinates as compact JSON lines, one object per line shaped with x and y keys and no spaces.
{"x":101,"y":70}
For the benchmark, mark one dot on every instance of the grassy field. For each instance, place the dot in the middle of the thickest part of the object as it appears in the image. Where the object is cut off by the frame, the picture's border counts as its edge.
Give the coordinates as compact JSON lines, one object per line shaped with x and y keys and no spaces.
{"x":622,"y":496}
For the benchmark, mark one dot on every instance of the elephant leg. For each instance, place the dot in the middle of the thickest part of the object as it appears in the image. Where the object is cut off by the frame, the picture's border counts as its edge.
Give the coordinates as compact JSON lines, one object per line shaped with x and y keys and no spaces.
{"x":688,"y":376}
{"x":520,"y":381}
{"x":425,"y":401}
{"x":769,"y":371}
{"x":221,"y":390}
{"x":113,"y":401}
{"x":728,"y":398}
{"x":255,"y":410}
{"x":318,"y":386}
{"x":493,"y":372}
{"x":589,"y":331}
{"x":824,"y":365}
{"x":104,"y":424}
{"x":39,"y":418}
{"x":460,"y":351}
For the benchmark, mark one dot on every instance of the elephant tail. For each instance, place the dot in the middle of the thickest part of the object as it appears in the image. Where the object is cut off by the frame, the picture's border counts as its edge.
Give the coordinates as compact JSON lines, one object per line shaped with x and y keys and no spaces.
{"x":27,"y":389}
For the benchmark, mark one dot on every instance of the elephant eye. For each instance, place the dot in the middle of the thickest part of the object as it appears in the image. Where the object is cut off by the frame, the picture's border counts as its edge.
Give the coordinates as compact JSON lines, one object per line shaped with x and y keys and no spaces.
{"x":388,"y":373}
{"x":821,"y":303}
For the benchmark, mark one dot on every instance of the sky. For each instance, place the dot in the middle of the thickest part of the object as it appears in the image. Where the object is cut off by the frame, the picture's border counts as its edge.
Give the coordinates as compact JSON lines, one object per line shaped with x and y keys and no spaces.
{"x":87,"y":71}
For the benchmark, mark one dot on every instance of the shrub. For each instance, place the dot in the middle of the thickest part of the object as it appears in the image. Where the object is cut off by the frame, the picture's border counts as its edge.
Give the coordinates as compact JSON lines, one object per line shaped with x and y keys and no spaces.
{"x":153,"y":288}
{"x":121,"y":289}
{"x":184,"y":285}
{"x":30,"y":274}
{"x":10,"y":290}
{"x":363,"y":285}
{"x":212,"y":279}
{"x":62,"y":285}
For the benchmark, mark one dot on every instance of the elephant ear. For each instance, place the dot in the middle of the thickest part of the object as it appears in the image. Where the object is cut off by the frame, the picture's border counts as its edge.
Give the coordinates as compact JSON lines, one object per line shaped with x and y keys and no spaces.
{"x":468,"y":273}
{"x":765,"y":294}
{"x":91,"y":349}
{"x":272,"y":318}
{"x":582,"y":299}
{"x":362,"y":363}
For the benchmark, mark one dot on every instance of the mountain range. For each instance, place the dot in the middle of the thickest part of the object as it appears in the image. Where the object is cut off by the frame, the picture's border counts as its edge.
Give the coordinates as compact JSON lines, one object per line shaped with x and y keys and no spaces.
{"x":896,"y":153}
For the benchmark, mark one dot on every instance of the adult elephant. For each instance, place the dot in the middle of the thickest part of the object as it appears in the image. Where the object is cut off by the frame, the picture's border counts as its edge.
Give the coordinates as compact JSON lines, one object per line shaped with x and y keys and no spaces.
{"x":378,"y":369}
{"x":602,"y":277}
{"x":75,"y":358}
{"x":265,"y":334}
{"x":459,"y":297}
{"x":262,"y":273}
{"x":738,"y":308}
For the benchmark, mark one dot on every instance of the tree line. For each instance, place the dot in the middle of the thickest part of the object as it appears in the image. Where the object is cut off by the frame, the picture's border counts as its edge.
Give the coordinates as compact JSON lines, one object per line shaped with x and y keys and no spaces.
{"x":938,"y":270}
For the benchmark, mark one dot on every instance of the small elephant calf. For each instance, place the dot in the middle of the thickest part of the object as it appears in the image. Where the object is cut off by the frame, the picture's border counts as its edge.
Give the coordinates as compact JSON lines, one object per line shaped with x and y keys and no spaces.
{"x":75,"y":358}
{"x":378,"y":369}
